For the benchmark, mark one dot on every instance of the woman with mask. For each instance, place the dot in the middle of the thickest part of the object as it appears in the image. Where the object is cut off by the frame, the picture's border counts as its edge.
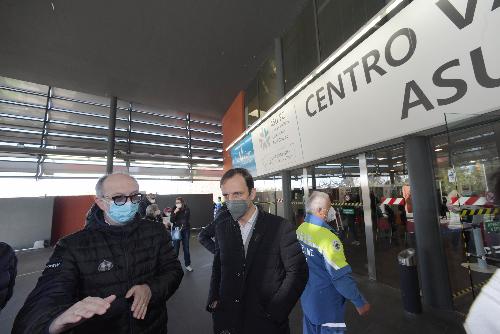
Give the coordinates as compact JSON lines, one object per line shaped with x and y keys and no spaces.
{"x":180,"y":219}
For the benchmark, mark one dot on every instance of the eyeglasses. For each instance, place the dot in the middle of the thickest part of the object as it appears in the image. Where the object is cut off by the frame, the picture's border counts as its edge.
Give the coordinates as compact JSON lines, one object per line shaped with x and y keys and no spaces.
{"x":122,"y":199}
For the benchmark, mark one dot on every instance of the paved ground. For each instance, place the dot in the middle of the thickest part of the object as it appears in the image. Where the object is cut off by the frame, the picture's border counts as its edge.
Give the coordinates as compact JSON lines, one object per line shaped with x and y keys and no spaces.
{"x":187,"y":314}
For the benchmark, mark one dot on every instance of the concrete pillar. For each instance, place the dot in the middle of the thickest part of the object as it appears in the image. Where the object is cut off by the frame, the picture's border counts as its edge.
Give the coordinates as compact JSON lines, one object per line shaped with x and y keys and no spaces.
{"x":305,"y":184}
{"x":496,"y":128}
{"x":433,"y":270}
{"x":365,"y":193}
{"x":111,"y":135}
{"x":286,"y":182}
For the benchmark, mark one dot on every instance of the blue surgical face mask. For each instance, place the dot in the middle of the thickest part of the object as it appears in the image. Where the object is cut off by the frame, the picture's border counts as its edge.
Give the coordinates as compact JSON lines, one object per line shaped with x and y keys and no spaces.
{"x":123,"y":214}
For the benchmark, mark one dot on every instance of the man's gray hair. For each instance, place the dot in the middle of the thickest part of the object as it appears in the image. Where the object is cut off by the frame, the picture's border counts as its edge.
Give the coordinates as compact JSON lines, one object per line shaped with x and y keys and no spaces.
{"x":317,"y":200}
{"x":99,"y":186}
{"x":151,"y":210}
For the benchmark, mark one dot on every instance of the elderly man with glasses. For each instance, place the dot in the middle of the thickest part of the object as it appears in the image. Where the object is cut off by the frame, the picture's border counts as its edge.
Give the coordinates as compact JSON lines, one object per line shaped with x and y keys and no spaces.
{"x":114,"y":276}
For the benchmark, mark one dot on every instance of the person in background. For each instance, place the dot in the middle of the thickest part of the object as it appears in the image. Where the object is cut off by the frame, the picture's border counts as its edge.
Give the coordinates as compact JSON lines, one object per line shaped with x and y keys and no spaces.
{"x":258,"y":271}
{"x":180,"y":218}
{"x":217,"y":206}
{"x":330,"y":281}
{"x":153,"y":213}
{"x":167,"y":212}
{"x":443,"y":207}
{"x":349,"y":215}
{"x":8,"y":272}
{"x":145,"y":202}
{"x":113,"y":276}
{"x":333,"y":220}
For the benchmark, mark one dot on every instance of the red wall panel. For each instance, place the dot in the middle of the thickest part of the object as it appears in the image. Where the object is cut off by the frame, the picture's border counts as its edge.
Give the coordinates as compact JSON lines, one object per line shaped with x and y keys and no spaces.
{"x":69,"y":215}
{"x":233,"y":125}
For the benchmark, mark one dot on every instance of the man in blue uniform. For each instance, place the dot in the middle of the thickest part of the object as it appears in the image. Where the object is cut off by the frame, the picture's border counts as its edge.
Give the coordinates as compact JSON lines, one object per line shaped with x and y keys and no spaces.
{"x":330,"y":282}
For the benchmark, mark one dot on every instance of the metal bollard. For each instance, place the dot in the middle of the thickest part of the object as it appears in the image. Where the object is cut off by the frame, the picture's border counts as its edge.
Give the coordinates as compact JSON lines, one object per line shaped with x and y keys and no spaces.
{"x":410,"y":289}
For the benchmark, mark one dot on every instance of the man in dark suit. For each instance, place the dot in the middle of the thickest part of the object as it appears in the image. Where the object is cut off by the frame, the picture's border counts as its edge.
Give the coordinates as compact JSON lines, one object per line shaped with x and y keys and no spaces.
{"x":259,"y":270}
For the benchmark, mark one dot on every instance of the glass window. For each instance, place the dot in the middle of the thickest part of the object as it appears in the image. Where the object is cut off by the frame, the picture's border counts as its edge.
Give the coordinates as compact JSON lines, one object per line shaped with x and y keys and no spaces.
{"x":472,"y":152}
{"x":339,"y":20}
{"x":252,"y":103}
{"x":300,"y":55}
{"x":269,"y":86}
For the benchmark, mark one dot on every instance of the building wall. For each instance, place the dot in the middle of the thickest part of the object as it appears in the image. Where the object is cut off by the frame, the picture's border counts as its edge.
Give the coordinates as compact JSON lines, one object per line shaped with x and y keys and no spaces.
{"x":25,"y":220}
{"x":233,"y":125}
{"x":69,"y":215}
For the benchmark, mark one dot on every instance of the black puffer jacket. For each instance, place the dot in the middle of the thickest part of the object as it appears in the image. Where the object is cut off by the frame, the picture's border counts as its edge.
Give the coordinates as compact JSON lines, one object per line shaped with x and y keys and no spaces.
{"x":181,"y":218}
{"x":99,"y":261}
{"x":8,"y":272}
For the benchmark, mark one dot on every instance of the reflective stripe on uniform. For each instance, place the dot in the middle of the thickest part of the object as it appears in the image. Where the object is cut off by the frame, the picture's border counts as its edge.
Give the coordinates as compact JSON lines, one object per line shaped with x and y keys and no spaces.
{"x":326,"y":242}
{"x":334,"y":325}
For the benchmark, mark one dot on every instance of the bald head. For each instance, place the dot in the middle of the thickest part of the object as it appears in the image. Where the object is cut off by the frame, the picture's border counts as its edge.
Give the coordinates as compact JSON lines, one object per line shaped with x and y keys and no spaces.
{"x":116,"y":184}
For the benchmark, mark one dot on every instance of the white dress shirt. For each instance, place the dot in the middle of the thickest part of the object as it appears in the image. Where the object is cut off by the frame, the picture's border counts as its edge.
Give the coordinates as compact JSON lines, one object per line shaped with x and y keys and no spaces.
{"x":246,"y":229}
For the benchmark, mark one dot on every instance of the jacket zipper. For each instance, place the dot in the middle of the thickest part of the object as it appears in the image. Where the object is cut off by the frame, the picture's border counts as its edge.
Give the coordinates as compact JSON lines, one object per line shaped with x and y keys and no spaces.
{"x":130,"y":320}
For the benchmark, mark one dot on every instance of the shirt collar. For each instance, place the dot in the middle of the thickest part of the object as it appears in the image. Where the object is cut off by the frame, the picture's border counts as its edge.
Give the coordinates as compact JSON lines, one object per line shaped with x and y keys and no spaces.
{"x":251,"y":221}
{"x":315,"y":220}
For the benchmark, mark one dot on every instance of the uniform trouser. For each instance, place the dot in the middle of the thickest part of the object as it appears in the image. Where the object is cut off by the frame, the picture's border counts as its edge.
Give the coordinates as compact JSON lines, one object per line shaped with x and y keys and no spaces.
{"x":310,"y":328}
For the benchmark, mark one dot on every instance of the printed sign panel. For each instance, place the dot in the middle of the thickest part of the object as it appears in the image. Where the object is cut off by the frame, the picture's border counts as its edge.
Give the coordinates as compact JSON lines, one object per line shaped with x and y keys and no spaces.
{"x":243,"y":156}
{"x":277,"y":142}
{"x":434,"y":57}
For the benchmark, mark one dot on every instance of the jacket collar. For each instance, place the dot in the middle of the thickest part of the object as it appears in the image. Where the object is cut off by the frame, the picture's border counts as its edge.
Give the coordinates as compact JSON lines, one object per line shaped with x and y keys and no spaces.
{"x":95,"y":221}
{"x":312,"y":219}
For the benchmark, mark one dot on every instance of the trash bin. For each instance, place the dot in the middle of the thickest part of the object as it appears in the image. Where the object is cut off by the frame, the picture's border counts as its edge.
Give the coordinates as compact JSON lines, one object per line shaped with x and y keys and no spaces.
{"x":410,"y":289}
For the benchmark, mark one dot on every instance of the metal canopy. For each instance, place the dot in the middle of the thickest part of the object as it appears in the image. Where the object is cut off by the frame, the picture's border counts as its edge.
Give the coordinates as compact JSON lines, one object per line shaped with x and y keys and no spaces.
{"x":51,"y":132}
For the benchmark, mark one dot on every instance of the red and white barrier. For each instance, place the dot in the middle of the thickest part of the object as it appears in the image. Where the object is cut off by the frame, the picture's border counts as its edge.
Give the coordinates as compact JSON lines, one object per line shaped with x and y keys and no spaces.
{"x":474,"y":200}
{"x":393,"y":201}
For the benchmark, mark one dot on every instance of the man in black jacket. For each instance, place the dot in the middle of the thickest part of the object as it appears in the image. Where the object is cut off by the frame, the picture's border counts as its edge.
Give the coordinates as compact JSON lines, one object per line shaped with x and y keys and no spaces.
{"x":259,"y":271}
{"x":114,"y":276}
{"x":8,"y":272}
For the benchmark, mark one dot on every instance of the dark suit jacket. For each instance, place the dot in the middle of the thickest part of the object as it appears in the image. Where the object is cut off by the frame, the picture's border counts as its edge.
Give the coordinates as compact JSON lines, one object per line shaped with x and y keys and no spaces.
{"x":256,"y":294}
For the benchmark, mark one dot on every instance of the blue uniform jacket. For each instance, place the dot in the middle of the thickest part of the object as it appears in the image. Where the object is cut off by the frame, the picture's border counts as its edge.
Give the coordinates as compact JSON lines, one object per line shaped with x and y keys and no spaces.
{"x":330,"y":282}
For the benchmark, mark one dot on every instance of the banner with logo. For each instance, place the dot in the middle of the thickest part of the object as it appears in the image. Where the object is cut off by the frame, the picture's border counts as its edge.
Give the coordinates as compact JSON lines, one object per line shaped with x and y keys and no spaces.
{"x":277,"y":142}
{"x":243,"y":155}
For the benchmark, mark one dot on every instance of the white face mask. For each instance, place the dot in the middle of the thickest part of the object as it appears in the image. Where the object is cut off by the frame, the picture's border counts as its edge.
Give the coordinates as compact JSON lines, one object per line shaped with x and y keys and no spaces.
{"x":331,"y":215}
{"x":177,"y":205}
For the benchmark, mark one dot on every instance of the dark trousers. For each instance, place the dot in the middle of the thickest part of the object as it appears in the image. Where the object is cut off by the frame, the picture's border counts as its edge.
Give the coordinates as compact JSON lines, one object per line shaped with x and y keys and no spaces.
{"x":185,"y":233}
{"x":351,"y":223}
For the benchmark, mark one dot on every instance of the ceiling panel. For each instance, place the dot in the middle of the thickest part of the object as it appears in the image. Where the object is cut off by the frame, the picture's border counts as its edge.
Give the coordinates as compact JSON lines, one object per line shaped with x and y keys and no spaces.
{"x":191,"y":56}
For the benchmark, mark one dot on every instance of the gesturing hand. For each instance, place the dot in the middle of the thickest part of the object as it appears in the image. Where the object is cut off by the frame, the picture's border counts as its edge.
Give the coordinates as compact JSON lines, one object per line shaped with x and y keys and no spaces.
{"x":79,"y":312}
{"x":142,"y":296}
{"x":363,"y":310}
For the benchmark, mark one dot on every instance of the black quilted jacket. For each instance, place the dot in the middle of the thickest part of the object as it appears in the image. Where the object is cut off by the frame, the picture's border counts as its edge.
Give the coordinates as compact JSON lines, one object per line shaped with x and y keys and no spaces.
{"x":8,"y":272}
{"x":101,"y":260}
